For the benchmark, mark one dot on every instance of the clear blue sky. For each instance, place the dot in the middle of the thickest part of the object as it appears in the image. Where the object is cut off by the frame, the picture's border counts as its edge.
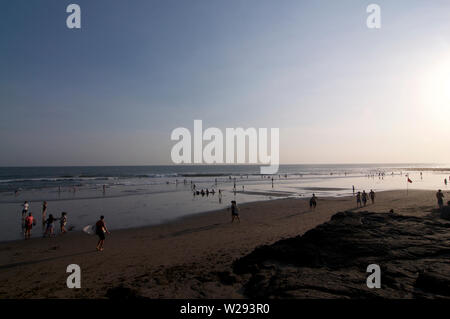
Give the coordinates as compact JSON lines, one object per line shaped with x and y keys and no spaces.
{"x":112,"y":92}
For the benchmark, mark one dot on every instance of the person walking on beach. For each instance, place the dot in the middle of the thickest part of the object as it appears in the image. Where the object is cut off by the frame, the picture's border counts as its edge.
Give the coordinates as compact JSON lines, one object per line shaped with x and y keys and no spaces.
{"x":440,"y":198}
{"x":63,"y":222}
{"x":445,"y":181}
{"x":100,"y":230}
{"x":234,"y":211}
{"x":44,"y":214}
{"x":313,"y":202}
{"x":353,"y":189}
{"x":358,"y":199}
{"x":49,"y":230}
{"x":372,"y":196}
{"x":29,"y":222}
{"x":364,"y":198}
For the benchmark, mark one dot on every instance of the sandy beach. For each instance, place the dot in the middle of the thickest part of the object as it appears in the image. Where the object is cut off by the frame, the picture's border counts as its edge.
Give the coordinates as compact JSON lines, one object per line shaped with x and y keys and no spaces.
{"x":188,"y":258}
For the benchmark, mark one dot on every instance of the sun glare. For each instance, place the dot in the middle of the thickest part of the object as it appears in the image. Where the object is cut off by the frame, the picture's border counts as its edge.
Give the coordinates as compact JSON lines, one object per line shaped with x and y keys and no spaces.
{"x":436,"y":90}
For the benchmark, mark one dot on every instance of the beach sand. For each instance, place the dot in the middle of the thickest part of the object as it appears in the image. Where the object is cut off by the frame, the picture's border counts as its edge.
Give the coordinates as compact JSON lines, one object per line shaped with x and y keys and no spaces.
{"x":188,"y":258}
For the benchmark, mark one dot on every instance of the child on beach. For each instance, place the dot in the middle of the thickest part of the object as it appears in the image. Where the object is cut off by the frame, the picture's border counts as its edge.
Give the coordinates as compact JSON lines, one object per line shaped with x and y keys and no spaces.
{"x":100,"y":230}
{"x":234,"y":211}
{"x":29,"y":222}
{"x":49,"y":230}
{"x":63,"y":222}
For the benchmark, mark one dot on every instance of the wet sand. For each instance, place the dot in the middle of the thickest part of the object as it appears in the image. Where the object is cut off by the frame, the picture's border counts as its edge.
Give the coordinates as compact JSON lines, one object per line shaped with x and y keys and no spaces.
{"x":187,"y":258}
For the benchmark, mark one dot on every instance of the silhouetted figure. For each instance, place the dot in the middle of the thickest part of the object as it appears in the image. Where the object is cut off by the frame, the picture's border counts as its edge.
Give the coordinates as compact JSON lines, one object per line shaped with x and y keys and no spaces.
{"x":234,"y":211}
{"x":372,"y":196}
{"x":313,"y":202}
{"x":358,"y":199}
{"x":364,"y":197}
{"x":100,"y":230}
{"x":440,"y":198}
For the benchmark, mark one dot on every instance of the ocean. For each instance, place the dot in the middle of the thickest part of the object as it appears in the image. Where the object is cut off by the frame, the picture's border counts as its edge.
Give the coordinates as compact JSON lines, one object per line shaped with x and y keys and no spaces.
{"x":25,"y":178}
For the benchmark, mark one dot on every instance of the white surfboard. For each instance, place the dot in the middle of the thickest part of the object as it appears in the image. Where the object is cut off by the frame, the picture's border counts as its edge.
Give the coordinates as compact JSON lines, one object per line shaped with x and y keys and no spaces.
{"x":89,"y":229}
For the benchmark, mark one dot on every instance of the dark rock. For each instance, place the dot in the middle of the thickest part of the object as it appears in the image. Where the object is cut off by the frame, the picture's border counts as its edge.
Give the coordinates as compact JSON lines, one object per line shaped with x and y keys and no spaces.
{"x":445,"y":212}
{"x":331,"y":260}
{"x":226,"y":278}
{"x":434,"y":283}
{"x":122,"y":293}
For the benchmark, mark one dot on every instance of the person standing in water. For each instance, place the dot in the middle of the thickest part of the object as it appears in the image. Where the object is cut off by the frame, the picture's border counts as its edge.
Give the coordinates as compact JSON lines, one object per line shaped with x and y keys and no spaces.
{"x":234,"y":211}
{"x":440,"y":198}
{"x":372,"y":196}
{"x":100,"y":230}
{"x":313,"y":202}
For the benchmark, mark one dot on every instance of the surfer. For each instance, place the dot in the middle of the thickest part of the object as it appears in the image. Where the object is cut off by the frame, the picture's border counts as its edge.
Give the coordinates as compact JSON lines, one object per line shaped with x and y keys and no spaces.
{"x":100,"y":230}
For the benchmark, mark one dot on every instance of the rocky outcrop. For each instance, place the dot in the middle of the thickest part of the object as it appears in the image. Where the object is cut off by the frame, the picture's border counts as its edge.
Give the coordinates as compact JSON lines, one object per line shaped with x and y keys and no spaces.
{"x":331,"y":260}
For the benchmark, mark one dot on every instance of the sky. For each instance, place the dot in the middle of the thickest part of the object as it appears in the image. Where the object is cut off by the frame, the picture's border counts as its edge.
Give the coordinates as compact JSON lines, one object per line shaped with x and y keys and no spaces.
{"x":111,"y":92}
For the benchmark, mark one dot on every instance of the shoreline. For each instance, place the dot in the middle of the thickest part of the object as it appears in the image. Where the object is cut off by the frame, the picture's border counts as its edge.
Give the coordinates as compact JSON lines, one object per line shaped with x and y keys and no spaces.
{"x":168,"y":222}
{"x":185,"y":258}
{"x":181,"y":218}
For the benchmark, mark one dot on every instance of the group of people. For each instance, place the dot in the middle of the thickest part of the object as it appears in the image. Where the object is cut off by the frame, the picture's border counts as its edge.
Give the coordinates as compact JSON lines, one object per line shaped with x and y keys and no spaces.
{"x":48,"y":224}
{"x":28,"y":221}
{"x":206,"y":192}
{"x":363,"y":198}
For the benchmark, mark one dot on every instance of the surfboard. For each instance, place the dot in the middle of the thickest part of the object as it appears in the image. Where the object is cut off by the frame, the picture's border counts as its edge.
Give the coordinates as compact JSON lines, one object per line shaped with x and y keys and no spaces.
{"x":89,"y":229}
